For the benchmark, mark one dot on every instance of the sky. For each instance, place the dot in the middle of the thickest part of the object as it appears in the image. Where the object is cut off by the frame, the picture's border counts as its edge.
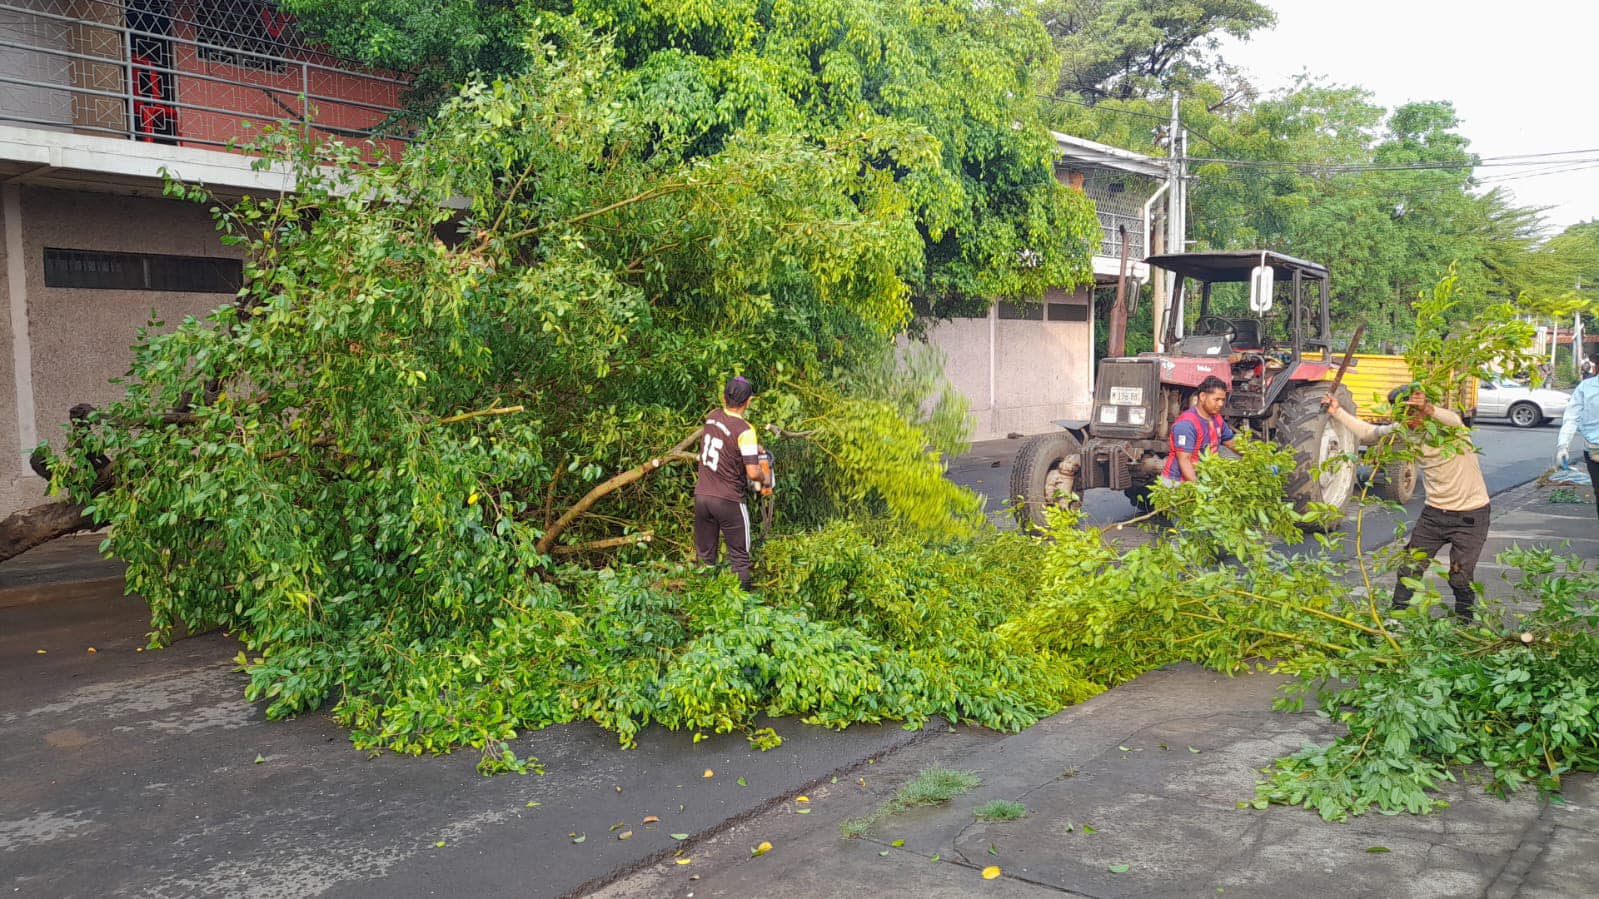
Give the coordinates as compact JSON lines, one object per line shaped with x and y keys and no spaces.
{"x":1521,"y":76}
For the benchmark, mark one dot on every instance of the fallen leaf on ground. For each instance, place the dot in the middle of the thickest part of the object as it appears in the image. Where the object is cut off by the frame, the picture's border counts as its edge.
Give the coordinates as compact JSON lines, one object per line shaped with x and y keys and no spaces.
{"x":883,"y":853}
{"x":259,"y":759}
{"x":1193,"y":750}
{"x":741,"y":782}
{"x":625,"y":835}
{"x":1120,"y":869}
{"x":802,"y":799}
{"x":618,"y":826}
{"x":708,"y":773}
{"x":533,"y":804}
{"x":897,"y":843}
{"x":439,"y":844}
{"x":802,"y":811}
{"x":991,"y":872}
{"x":678,"y":836}
{"x":91,"y":649}
{"x":579,"y":837}
{"x":1376,"y":848}
{"x":651,"y":819}
{"x":1088,"y":829}
{"x":684,"y":861}
{"x":762,"y":849}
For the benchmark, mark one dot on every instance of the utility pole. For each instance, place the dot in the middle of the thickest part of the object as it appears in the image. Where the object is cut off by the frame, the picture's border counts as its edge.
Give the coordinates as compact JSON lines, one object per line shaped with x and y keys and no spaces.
{"x":1175,"y":241}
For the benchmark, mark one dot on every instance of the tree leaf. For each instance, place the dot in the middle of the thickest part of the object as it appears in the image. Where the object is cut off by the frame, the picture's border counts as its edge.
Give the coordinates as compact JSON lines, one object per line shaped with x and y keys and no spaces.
{"x":678,"y":836}
{"x":991,"y":872}
{"x":1120,"y":868}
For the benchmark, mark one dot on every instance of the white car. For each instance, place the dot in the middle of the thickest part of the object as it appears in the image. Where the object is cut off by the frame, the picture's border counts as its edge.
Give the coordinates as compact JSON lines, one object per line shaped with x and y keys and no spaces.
{"x":1524,"y":406}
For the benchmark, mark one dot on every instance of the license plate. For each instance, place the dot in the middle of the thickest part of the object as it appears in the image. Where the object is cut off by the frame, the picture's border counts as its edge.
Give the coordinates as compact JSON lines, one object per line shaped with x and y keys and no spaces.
{"x":1127,"y":396}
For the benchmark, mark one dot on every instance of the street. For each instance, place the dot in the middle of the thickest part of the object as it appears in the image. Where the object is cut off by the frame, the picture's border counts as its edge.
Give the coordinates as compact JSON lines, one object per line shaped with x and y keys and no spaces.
{"x":1510,"y":456}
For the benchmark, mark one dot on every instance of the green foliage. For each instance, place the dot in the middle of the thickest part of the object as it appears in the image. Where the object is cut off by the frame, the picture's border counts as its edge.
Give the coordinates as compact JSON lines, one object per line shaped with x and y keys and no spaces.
{"x":378,"y":440}
{"x":1000,"y":810}
{"x":944,"y":102}
{"x":1523,"y":703}
{"x":1168,"y":600}
{"x":1128,"y":48}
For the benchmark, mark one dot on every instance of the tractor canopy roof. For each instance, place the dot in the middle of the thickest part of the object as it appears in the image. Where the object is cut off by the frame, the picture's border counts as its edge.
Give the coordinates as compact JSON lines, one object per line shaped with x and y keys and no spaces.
{"x":1235,"y":265}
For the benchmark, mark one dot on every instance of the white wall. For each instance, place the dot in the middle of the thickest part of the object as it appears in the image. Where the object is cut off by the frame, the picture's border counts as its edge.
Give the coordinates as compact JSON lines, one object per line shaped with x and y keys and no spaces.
{"x":1018,"y":376}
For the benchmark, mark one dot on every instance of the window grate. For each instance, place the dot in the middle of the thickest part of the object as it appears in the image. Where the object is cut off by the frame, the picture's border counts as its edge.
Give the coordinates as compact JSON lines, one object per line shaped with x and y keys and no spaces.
{"x":90,"y":270}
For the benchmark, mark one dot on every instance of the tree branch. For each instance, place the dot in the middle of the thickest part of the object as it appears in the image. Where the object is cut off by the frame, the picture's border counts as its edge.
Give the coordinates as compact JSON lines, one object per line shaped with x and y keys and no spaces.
{"x":675,"y":454}
{"x":492,"y":410}
{"x":597,"y":545}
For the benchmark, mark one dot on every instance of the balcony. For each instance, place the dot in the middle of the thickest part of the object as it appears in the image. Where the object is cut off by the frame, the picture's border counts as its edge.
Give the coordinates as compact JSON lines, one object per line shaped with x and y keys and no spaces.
{"x":187,"y":73}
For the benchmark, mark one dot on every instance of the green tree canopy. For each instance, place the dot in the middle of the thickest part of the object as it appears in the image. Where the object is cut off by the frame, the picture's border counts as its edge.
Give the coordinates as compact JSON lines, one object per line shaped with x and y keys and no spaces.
{"x":897,"y":86}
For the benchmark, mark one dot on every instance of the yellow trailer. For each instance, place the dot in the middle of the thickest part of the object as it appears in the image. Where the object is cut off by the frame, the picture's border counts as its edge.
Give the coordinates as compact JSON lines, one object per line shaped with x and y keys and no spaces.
{"x":1371,"y":376}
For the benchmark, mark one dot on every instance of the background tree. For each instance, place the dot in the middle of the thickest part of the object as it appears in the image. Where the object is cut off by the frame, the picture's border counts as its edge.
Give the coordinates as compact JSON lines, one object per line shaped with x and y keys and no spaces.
{"x":966,"y":79}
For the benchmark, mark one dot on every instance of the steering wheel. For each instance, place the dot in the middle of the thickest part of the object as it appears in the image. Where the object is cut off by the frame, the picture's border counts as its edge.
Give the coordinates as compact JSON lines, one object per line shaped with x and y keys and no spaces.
{"x":1216,"y":326}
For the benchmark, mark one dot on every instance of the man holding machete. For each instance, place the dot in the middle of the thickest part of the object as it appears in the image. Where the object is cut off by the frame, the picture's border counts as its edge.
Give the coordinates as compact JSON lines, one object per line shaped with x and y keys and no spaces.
{"x":1456,"y":510}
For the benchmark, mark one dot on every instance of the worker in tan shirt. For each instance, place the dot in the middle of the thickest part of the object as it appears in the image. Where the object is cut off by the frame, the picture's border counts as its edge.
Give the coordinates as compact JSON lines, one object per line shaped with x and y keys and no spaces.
{"x":1456,"y":513}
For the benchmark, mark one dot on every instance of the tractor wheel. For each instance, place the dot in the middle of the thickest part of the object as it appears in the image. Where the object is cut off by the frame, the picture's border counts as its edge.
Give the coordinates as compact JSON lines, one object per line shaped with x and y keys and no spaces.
{"x":1525,"y":415}
{"x":1397,"y":481}
{"x":1315,"y":439}
{"x":1036,"y":480}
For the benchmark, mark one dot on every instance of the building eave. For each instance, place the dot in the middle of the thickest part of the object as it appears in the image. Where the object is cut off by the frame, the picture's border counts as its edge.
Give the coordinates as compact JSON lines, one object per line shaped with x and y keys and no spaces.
{"x":1093,"y":153}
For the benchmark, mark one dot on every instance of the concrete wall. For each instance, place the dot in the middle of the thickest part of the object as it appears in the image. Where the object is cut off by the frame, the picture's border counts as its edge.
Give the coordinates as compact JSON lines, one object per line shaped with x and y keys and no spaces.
{"x":80,"y":339}
{"x":1017,"y":375}
{"x":15,"y":478}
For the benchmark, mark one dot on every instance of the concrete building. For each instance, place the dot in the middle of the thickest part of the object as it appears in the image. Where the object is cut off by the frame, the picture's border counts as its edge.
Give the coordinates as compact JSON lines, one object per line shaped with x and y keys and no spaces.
{"x":1021,"y":367}
{"x":97,"y":98}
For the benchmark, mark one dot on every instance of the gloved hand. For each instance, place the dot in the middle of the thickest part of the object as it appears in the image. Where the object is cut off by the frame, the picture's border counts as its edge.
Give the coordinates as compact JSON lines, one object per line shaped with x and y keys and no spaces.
{"x":1563,"y":457}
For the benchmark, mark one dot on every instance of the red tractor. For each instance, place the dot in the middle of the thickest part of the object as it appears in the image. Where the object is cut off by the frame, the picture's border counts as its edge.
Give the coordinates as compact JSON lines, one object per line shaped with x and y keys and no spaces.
{"x":1275,"y":365}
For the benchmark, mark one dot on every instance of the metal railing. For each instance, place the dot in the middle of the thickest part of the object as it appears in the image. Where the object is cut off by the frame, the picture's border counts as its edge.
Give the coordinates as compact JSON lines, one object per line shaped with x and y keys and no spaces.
{"x":164,"y":71}
{"x":1110,"y":225}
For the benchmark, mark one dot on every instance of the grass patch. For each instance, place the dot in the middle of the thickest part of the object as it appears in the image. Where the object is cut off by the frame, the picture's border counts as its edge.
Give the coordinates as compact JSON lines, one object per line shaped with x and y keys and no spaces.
{"x":935,"y":785}
{"x":930,"y":786}
{"x":1000,"y":810}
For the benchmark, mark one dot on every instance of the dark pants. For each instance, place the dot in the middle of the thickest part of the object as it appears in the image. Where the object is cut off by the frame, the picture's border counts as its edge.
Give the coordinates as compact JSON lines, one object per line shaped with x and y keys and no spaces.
{"x":1593,"y":472}
{"x":715,"y":517}
{"x":1464,"y":533}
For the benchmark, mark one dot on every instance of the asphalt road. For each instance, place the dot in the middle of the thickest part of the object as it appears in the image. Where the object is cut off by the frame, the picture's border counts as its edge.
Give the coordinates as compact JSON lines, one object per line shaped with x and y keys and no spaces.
{"x":1510,"y":456}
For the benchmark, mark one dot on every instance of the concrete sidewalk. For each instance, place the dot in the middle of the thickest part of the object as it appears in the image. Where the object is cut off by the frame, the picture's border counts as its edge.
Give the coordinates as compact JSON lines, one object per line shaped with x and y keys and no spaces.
{"x":1150,"y":776}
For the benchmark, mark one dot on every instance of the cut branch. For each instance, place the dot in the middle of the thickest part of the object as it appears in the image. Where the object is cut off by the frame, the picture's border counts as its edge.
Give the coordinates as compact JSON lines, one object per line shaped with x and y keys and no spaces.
{"x":492,"y":410}
{"x":675,"y":454}
{"x":609,"y":543}
{"x":785,"y":432}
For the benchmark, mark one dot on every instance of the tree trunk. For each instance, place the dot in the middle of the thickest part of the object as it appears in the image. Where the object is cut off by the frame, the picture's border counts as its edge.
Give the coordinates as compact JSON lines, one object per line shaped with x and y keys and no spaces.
{"x":23,"y":530}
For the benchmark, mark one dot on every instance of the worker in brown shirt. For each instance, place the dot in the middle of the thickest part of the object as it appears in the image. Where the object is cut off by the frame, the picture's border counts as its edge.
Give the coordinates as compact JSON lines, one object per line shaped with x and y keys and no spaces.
{"x":729,"y":461}
{"x":1456,"y":510}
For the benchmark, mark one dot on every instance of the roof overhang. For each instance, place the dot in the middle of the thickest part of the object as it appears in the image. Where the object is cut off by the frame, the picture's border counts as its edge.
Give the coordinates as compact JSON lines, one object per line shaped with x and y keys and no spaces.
{"x":1092,"y":153}
{"x":1235,"y":265}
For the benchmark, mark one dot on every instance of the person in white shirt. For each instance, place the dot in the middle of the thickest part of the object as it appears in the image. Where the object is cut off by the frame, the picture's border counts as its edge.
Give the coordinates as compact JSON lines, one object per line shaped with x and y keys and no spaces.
{"x":1582,"y":419}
